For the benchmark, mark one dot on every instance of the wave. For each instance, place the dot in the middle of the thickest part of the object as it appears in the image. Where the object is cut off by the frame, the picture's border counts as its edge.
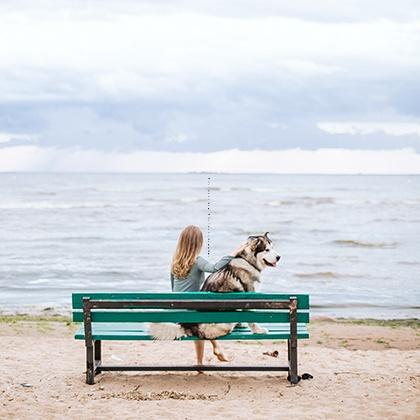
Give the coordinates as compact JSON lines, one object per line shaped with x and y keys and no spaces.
{"x":240,"y":189}
{"x":364,"y":244}
{"x":40,"y":281}
{"x":408,"y":263}
{"x":249,"y":189}
{"x":391,"y":219}
{"x":48,"y":239}
{"x":48,"y":206}
{"x":192,"y":200}
{"x":317,"y":200}
{"x":96,"y":205}
{"x":306,"y":201}
{"x":246,"y":189}
{"x":224,"y":189}
{"x":361,"y":305}
{"x":396,"y":219}
{"x":252,"y":189}
{"x":325,"y":275}
{"x":45,"y":193}
{"x":390,"y":203}
{"x":278,"y":203}
{"x":312,"y":264}
{"x":47,"y":288}
{"x":310,"y":201}
{"x":322,"y":230}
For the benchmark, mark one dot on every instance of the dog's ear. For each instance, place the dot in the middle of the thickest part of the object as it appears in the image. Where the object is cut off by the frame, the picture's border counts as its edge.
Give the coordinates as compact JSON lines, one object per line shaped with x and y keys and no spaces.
{"x":266,"y":236}
{"x":256,"y":244}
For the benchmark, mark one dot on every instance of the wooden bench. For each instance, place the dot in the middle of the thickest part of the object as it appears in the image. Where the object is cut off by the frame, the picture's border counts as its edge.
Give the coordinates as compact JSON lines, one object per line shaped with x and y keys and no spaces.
{"x":125,"y":316}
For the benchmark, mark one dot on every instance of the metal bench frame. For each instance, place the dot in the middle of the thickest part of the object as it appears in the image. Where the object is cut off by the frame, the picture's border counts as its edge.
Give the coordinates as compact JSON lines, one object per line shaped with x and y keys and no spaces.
{"x":94,"y":364}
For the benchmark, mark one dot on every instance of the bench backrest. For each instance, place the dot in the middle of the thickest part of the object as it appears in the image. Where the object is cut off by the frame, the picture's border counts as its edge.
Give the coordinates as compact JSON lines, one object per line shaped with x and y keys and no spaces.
{"x":190,"y":307}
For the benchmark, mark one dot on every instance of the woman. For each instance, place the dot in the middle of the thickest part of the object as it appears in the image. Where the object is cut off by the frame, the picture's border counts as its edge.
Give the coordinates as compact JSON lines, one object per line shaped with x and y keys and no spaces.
{"x":187,"y":275}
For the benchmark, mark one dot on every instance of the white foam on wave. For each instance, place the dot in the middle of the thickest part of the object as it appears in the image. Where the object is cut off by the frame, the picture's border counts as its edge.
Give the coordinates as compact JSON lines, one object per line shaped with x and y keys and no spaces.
{"x":39,"y":281}
{"x":192,"y":200}
{"x":40,"y":205}
{"x":364,"y":244}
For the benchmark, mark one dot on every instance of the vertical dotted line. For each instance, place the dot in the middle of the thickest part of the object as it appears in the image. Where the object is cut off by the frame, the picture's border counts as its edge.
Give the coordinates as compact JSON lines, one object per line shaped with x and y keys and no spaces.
{"x":208,"y":217}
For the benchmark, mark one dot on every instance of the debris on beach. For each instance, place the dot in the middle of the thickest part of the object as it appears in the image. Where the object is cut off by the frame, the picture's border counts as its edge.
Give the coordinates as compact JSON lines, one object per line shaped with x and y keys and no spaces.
{"x":274,"y":353}
{"x":26,"y":385}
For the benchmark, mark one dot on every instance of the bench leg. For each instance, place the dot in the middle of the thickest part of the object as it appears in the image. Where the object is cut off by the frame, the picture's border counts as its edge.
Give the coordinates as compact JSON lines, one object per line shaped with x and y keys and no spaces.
{"x":90,"y":366}
{"x":98,"y":356}
{"x":87,"y":321}
{"x":292,"y":356}
{"x":292,"y":342}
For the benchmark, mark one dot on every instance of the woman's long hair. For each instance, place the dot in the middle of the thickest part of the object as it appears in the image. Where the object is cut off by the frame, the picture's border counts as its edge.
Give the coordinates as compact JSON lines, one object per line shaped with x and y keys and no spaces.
{"x":189,"y":246}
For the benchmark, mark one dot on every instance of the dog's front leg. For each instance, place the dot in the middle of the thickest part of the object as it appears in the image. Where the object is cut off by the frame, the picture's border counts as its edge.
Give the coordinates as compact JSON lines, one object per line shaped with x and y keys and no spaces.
{"x":256,"y":329}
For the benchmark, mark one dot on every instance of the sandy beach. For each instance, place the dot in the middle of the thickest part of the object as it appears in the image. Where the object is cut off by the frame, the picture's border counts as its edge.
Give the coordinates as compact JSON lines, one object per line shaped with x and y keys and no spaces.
{"x":360,"y":370}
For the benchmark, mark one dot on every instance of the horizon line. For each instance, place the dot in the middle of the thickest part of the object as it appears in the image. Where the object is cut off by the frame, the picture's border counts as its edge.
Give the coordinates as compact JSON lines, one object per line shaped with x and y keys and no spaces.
{"x":206,"y":173}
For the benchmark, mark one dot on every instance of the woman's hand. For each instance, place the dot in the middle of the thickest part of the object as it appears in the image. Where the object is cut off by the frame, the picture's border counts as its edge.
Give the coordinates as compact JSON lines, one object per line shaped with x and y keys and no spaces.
{"x":238,"y":250}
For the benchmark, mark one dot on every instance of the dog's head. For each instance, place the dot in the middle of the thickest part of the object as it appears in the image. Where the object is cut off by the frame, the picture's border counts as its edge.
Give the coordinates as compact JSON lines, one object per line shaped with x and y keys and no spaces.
{"x":259,"y":252}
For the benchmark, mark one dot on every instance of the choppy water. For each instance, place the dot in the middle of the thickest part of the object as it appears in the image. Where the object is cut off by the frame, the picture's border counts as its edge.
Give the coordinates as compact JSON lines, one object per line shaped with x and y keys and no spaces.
{"x":352,"y":242}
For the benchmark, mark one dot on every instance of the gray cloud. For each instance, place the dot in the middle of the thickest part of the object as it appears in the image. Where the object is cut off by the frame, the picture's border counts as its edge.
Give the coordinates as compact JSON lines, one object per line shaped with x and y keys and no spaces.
{"x":208,"y":76}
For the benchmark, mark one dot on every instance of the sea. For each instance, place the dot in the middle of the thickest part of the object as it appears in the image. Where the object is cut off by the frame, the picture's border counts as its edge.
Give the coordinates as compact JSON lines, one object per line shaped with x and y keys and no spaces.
{"x":351,"y":242}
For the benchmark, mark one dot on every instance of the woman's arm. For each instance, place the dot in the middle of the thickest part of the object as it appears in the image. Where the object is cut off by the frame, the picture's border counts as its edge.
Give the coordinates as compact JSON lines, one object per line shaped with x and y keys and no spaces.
{"x":208,"y":267}
{"x":224,"y":261}
{"x":172,"y":282}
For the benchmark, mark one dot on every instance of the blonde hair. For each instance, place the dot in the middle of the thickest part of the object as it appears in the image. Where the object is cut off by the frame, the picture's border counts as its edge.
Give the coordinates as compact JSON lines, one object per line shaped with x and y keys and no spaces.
{"x":189,"y":246}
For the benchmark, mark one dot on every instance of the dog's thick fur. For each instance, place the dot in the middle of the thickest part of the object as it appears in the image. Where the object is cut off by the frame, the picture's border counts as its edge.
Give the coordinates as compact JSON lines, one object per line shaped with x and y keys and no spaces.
{"x":240,"y":275}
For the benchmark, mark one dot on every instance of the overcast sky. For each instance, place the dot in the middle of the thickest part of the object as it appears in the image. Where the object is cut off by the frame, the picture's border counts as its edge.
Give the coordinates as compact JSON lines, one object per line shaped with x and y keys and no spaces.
{"x":92,"y":80}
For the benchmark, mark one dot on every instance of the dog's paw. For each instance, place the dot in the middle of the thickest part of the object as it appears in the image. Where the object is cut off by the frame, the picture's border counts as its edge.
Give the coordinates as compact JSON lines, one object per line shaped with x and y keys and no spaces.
{"x":259,"y":330}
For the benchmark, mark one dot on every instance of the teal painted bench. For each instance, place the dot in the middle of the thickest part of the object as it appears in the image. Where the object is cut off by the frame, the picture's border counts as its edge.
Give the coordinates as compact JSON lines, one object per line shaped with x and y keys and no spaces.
{"x":125,"y":316}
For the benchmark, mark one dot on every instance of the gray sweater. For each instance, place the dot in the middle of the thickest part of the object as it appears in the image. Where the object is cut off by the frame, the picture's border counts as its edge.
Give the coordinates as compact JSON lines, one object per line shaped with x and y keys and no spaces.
{"x":195,"y":278}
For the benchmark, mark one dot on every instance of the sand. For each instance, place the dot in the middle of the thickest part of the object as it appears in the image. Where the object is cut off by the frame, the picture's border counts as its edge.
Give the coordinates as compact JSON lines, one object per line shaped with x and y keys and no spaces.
{"x":359,"y":371}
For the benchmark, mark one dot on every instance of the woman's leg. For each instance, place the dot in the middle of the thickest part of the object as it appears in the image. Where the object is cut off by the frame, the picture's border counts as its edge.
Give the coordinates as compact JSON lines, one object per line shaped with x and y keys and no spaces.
{"x":218,"y":352}
{"x":199,"y":351}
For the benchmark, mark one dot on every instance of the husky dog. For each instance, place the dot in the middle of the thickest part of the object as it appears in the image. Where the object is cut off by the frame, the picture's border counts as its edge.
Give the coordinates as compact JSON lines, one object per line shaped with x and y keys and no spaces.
{"x":240,"y":275}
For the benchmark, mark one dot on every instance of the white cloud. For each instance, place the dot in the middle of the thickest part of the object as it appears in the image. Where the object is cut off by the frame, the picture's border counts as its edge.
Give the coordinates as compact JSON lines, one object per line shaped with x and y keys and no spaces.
{"x":8,"y":137}
{"x":293,"y":161}
{"x":71,"y":56}
{"x":369,"y":127}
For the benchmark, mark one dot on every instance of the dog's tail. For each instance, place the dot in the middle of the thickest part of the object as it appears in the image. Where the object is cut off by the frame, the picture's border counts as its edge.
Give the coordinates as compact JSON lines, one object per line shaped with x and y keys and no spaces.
{"x":161,"y":331}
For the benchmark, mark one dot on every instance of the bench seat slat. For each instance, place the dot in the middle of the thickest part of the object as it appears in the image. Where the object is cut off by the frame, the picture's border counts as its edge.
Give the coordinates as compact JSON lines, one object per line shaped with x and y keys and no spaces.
{"x":139,"y":331}
{"x":77,"y":298}
{"x":191,"y":316}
